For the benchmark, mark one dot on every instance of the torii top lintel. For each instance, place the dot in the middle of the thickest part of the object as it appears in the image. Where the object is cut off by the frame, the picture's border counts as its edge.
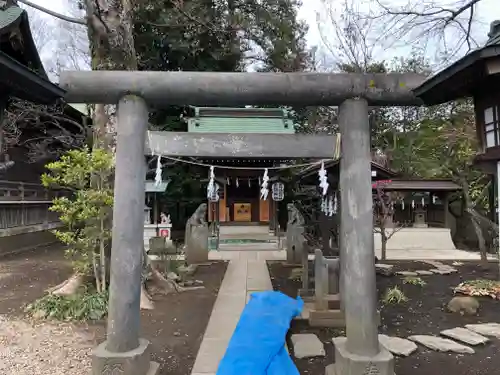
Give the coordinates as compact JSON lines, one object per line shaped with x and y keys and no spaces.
{"x":162,"y":89}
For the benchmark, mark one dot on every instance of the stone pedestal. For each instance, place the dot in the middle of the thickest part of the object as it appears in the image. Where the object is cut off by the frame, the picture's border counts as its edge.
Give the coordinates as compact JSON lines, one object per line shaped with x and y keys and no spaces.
{"x":347,"y":363}
{"x":294,"y":244}
{"x":154,"y":230}
{"x":134,"y":362}
{"x":197,"y":244}
{"x":150,"y":230}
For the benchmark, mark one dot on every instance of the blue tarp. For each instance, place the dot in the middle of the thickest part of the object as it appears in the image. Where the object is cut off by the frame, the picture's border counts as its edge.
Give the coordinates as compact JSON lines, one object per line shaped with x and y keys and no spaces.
{"x":257,"y":346}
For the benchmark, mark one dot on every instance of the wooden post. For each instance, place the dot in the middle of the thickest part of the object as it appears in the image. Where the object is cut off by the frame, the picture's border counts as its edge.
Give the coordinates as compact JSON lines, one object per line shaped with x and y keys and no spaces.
{"x":446,"y":202}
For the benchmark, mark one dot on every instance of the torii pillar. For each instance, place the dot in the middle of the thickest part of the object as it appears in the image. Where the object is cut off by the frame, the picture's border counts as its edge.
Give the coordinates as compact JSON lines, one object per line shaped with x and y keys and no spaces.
{"x":124,"y":352}
{"x":358,"y":353}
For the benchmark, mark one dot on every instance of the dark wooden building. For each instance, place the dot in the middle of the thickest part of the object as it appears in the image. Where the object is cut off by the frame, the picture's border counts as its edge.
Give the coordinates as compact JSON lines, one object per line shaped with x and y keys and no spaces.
{"x":240,"y":182}
{"x":24,"y":204}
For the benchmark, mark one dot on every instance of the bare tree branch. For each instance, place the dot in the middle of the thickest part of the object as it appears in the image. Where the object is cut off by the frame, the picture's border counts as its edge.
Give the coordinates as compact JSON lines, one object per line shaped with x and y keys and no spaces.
{"x":54,"y":14}
{"x":425,"y":22}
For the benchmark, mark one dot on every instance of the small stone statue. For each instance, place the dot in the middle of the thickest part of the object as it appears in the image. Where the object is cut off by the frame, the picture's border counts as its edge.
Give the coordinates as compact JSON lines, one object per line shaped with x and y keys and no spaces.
{"x":294,"y":216}
{"x":165,"y":219}
{"x":198,"y":218}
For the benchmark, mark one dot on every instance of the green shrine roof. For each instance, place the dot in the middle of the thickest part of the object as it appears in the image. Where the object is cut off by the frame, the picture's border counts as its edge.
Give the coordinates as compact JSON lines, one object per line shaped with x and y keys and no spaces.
{"x":240,"y":120}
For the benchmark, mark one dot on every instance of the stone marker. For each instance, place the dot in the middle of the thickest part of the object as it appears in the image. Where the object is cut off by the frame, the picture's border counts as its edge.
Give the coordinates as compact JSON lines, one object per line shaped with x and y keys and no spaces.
{"x":397,"y":345}
{"x":487,"y":329}
{"x":441,"y":345}
{"x":307,"y":345}
{"x":407,"y":273}
{"x":424,"y":273}
{"x":197,"y":244}
{"x":465,"y":335}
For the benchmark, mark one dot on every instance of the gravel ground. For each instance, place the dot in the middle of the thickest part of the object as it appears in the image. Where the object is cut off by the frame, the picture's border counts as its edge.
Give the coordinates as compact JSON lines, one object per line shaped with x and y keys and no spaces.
{"x":28,"y":348}
{"x":41,"y":349}
{"x":175,"y":327}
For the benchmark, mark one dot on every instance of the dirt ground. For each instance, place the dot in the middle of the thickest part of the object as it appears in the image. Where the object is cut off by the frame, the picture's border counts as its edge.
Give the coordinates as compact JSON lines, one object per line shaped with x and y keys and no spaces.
{"x":175,"y":327}
{"x":424,"y":313}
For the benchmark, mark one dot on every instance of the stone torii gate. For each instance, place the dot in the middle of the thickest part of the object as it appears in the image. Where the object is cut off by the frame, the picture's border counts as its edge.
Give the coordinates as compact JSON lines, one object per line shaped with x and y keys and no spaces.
{"x":124,"y":352}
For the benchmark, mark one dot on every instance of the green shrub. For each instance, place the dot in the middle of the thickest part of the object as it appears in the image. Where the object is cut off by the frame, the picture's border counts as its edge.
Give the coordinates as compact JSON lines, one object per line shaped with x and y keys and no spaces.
{"x":394,"y":296}
{"x":82,"y":306}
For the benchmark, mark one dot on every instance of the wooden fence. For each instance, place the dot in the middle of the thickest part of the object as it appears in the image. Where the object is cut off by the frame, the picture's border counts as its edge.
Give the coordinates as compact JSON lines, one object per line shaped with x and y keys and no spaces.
{"x":25,"y":204}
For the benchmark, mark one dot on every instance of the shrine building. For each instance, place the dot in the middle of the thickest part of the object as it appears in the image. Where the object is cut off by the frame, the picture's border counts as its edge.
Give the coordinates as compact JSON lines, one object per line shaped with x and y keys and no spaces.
{"x":239,"y":180}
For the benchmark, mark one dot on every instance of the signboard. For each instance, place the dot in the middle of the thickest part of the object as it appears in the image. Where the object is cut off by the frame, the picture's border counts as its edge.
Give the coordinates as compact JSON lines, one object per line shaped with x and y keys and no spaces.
{"x":278,"y":191}
{"x":151,"y":187}
{"x":165,"y":233}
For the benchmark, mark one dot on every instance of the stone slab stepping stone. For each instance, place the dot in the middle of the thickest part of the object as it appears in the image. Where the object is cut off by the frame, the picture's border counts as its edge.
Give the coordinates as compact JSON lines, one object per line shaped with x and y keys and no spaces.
{"x":464,"y":335}
{"x":441,"y":345}
{"x":424,"y":273}
{"x":307,"y":345}
{"x":487,"y":329}
{"x":397,"y":345}
{"x":384,"y":266}
{"x":442,"y":271}
{"x":447,"y":268}
{"x":434,"y":263}
{"x":407,"y":273}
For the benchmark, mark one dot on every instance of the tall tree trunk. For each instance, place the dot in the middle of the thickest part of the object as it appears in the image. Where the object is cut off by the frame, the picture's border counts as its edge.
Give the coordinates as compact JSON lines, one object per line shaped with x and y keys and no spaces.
{"x":384,"y":244}
{"x":469,"y":207}
{"x":111,"y":41}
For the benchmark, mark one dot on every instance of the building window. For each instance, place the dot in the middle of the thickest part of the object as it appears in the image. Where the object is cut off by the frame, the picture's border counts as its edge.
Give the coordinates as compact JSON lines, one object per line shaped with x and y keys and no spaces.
{"x":491,"y":126}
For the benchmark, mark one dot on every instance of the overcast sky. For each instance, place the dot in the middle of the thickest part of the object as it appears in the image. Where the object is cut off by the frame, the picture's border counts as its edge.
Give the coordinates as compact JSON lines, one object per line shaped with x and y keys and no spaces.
{"x":485,"y":11}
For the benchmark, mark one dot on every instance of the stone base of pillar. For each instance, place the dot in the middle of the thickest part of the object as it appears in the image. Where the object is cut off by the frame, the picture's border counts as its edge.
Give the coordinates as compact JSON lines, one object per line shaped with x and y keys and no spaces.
{"x":134,"y":362}
{"x":347,"y":363}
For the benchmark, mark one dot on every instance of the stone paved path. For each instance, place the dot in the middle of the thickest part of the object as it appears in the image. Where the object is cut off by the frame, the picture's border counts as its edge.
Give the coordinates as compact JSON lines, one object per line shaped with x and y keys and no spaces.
{"x":246,"y":273}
